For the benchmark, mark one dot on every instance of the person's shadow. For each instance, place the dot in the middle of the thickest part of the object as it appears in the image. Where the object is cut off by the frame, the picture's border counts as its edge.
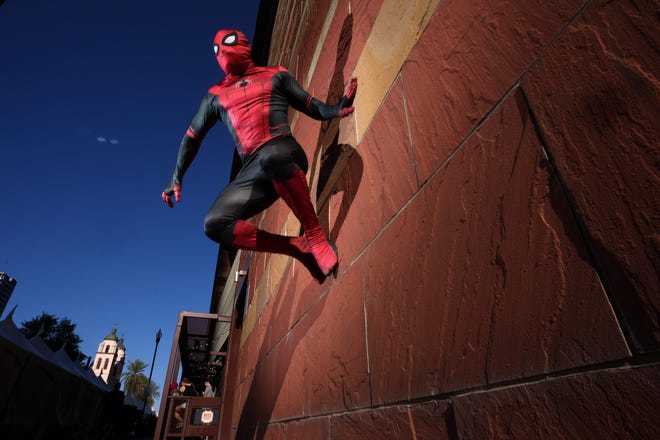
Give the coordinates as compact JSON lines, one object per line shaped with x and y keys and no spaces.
{"x":341,"y":172}
{"x":341,"y":166}
{"x":272,"y":367}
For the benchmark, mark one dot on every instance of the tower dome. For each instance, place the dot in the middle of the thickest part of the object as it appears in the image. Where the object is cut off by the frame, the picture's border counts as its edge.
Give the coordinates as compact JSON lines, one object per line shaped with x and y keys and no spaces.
{"x":112,"y":336}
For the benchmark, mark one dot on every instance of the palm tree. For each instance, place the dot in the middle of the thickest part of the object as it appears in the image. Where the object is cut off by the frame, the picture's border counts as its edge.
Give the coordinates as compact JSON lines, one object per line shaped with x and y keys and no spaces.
{"x":153,"y":392}
{"x":132,"y":378}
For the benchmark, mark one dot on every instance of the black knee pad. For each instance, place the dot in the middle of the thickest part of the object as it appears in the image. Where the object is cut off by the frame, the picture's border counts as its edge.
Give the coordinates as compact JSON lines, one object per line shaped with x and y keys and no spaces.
{"x":219,"y":230}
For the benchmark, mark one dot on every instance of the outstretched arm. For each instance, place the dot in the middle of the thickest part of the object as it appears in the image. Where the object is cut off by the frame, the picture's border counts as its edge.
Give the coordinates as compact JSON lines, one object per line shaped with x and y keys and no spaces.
{"x":192,"y":140}
{"x":187,"y":151}
{"x":306,"y":103}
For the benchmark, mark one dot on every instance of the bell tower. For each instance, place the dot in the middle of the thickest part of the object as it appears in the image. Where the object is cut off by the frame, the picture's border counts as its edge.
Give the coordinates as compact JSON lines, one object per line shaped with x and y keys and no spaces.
{"x":109,"y":360}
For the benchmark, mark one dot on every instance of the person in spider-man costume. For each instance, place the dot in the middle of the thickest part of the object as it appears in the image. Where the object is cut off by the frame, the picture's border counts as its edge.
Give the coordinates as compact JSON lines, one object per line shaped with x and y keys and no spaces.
{"x":253,"y":103}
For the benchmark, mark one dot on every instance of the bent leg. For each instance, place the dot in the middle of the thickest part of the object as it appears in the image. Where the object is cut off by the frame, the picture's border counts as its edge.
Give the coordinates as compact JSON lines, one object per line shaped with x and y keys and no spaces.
{"x":285,"y":162}
{"x":247,"y":236}
{"x":248,"y":195}
{"x":234,"y":203}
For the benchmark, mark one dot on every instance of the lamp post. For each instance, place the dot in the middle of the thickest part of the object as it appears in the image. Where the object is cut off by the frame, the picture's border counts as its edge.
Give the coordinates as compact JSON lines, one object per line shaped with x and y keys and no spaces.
{"x":159,"y":334}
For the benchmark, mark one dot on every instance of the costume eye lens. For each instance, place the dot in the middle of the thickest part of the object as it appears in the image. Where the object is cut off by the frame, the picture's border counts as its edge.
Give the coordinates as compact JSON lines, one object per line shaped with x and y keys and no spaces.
{"x":215,"y":48}
{"x":230,"y":39}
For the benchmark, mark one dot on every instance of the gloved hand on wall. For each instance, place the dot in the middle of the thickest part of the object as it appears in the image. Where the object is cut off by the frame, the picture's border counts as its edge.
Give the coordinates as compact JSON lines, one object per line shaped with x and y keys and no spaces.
{"x":346,"y":102}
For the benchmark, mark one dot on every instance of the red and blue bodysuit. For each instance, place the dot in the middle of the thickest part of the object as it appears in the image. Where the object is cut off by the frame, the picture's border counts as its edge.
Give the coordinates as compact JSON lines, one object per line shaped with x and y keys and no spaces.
{"x":253,"y":103}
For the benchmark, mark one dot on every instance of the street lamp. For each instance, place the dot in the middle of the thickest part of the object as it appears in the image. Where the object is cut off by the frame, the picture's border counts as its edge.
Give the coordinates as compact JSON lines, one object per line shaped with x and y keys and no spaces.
{"x":159,"y":335}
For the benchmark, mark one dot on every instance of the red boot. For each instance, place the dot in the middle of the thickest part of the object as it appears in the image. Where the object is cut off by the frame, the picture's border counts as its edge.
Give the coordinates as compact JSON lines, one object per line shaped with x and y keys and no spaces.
{"x":248,"y":237}
{"x":295,"y":192}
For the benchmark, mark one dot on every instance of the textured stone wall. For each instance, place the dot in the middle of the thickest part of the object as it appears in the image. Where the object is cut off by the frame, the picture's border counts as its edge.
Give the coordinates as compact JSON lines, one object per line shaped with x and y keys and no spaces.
{"x":495,"y":201}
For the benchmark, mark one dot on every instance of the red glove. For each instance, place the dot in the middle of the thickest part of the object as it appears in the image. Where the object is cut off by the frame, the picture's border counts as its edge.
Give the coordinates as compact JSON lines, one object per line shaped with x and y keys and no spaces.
{"x":346,"y":111}
{"x":352,"y":89}
{"x":168,"y":192}
{"x":347,"y":100}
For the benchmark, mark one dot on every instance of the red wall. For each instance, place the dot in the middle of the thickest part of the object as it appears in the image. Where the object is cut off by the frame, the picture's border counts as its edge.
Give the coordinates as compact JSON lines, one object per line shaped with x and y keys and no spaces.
{"x":496,"y":219}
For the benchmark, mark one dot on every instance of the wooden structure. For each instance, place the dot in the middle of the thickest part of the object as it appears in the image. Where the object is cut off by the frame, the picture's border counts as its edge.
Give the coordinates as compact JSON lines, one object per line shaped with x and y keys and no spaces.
{"x":194,"y":350}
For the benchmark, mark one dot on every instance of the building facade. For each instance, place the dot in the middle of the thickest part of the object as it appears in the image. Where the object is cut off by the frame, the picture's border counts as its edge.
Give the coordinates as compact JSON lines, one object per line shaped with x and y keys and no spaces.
{"x":494,"y":199}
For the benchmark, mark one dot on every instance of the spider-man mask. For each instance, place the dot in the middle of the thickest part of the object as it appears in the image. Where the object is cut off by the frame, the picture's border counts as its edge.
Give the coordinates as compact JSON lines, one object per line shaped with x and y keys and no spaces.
{"x":232,"y":50}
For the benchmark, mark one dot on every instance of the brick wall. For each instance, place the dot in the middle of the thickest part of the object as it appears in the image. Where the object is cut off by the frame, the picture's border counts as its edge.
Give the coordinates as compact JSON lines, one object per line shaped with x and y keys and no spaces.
{"x":495,"y":201}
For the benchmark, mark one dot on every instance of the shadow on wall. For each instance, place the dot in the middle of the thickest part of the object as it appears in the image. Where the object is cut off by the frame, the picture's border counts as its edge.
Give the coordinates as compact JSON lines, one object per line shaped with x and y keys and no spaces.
{"x":273,"y":362}
{"x":272,"y":368}
{"x":337,"y":159}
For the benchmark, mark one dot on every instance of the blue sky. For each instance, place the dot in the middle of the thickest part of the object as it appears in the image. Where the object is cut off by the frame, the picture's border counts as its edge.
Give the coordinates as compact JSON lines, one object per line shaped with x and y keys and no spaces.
{"x":94,"y":100}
